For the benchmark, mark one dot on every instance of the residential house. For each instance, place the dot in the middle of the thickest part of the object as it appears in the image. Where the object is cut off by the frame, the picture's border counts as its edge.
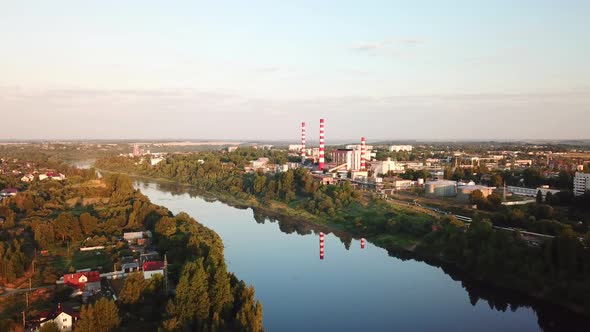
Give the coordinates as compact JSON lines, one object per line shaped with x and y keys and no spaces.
{"x":153,"y":268}
{"x":87,"y":281}
{"x":7,"y":192}
{"x":64,"y":316}
{"x":132,"y":237}
{"x":27,"y":178}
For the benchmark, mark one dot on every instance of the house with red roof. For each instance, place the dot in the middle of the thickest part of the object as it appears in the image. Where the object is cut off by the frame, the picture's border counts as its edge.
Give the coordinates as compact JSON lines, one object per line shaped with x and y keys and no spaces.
{"x":8,"y":192}
{"x":152,"y":268}
{"x":83,"y":281}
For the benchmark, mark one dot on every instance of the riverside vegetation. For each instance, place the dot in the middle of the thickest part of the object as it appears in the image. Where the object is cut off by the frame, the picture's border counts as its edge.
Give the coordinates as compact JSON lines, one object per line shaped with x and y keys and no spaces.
{"x":57,"y":217}
{"x":557,"y":271}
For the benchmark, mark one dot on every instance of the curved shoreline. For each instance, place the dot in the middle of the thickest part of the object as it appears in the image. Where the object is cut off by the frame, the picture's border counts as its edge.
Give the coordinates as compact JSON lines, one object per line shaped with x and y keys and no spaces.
{"x":394,"y":250}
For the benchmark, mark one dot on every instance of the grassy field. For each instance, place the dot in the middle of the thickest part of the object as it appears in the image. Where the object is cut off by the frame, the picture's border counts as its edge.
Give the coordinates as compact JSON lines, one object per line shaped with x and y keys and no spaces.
{"x":92,"y":259}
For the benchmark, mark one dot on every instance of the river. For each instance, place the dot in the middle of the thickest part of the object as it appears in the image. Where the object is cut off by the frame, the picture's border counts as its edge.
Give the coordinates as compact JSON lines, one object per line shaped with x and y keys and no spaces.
{"x":352,"y":289}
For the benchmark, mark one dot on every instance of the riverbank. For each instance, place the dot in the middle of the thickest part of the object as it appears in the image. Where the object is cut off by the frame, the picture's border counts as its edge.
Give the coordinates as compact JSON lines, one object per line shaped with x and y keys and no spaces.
{"x":469,"y":256}
{"x":400,"y":242}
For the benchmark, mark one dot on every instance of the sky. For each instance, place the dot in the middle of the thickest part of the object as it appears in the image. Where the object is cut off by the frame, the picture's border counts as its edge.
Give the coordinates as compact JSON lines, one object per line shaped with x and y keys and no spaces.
{"x":256,"y":69}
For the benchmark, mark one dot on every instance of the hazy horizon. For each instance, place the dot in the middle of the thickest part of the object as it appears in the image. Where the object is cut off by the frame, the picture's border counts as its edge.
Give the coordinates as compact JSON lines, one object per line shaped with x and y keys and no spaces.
{"x":386,"y":70}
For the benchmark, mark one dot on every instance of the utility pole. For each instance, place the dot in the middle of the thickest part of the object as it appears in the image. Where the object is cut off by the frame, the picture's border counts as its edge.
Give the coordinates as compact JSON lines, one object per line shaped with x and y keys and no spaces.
{"x":24,"y":320}
{"x":34,"y":259}
{"x":166,"y":274}
{"x":27,"y":299}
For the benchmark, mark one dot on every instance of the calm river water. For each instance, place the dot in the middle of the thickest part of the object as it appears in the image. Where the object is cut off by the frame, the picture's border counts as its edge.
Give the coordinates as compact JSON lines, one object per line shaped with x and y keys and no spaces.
{"x":352,"y":289}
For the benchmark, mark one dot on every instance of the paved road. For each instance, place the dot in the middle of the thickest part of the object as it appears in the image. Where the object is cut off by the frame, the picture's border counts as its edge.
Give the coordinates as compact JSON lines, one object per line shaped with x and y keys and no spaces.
{"x":14,"y":291}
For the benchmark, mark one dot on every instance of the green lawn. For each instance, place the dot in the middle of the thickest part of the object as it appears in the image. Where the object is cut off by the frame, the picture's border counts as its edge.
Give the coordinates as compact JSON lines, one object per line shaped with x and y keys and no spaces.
{"x":92,"y":260}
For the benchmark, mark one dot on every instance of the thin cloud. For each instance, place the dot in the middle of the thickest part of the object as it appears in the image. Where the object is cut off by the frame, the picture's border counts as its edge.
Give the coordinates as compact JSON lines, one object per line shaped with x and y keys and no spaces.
{"x":269,"y":69}
{"x":385,"y":47}
{"x":370,"y":46}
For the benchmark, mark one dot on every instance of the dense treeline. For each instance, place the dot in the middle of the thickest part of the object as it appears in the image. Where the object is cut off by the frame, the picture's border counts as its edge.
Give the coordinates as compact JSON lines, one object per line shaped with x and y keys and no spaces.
{"x":297,"y":188}
{"x":558,"y":270}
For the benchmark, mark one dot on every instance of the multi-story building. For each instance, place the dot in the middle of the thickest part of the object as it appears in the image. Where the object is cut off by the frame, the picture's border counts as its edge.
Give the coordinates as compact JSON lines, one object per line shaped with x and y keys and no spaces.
{"x":581,"y":183}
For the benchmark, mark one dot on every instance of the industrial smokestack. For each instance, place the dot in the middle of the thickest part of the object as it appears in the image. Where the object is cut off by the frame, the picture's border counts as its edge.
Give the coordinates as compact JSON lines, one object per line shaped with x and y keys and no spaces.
{"x":321,"y":166}
{"x":302,"y":142}
{"x":363,"y":164}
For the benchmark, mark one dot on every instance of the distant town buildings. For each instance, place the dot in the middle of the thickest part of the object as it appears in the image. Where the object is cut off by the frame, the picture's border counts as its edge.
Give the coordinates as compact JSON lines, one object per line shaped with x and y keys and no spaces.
{"x":398,"y":148}
{"x":52,"y":176}
{"x":259,"y":163}
{"x":155,"y":161}
{"x":581,"y":183}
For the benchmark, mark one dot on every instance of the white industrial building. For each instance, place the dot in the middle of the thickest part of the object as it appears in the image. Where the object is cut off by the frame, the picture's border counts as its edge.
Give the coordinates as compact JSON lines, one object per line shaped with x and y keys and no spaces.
{"x":441,"y":188}
{"x":350,"y":157}
{"x":358,"y":147}
{"x":530,"y":192}
{"x":398,"y":148}
{"x":384,"y":167}
{"x":581,"y":183}
{"x":464,"y":192}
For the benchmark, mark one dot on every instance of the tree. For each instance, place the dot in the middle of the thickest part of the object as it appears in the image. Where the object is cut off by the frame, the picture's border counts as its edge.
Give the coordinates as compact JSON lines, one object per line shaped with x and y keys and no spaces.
{"x":219,"y":288}
{"x":67,"y":226}
{"x":496,"y":180}
{"x":103,"y":316}
{"x":495,"y":200}
{"x":49,"y":327}
{"x":249,"y":317}
{"x":133,"y":288}
{"x":192,"y":298}
{"x":476,"y":197}
{"x":539,"y":197}
{"x":166,"y":226}
{"x":88,"y":222}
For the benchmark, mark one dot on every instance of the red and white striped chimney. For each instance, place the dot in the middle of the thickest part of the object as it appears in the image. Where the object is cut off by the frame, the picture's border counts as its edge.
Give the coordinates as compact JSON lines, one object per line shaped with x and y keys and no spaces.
{"x":363,"y":164}
{"x":302,"y":142}
{"x":321,"y":166}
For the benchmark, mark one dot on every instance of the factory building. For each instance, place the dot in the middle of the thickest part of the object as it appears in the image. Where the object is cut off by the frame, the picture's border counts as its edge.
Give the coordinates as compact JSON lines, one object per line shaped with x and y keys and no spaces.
{"x":464,"y":192}
{"x":531,"y":192}
{"x":384,"y":167}
{"x":441,"y":188}
{"x":352,"y":158}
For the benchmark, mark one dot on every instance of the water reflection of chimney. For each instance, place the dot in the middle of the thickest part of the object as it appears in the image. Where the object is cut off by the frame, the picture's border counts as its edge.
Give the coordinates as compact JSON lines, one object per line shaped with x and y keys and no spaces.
{"x":321,"y":245}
